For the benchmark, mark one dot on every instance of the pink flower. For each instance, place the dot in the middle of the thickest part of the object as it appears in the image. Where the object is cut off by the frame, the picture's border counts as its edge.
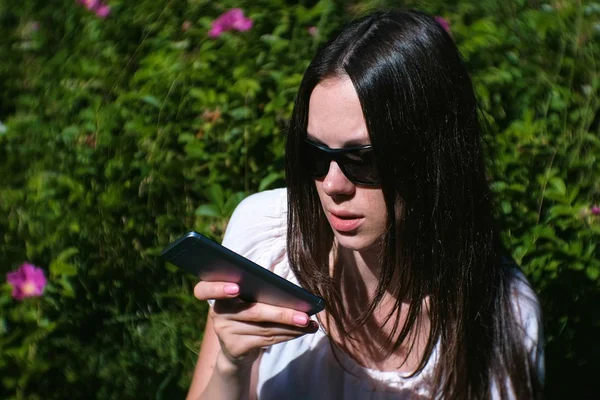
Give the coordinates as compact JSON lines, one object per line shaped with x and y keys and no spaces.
{"x":443,"y":22}
{"x":90,"y":4}
{"x":27,"y":281}
{"x":595,"y":210}
{"x":103,"y":11}
{"x":313,"y":31}
{"x":215,"y":31}
{"x":232,"y":20}
{"x":97,"y":7}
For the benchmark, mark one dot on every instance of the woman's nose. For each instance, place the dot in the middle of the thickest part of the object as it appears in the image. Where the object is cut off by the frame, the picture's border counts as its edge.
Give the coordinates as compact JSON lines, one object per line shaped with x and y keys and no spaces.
{"x":335,"y":182}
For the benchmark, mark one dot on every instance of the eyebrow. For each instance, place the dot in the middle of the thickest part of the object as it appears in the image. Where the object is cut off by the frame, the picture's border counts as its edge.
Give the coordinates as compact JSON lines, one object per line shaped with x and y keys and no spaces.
{"x":349,"y":143}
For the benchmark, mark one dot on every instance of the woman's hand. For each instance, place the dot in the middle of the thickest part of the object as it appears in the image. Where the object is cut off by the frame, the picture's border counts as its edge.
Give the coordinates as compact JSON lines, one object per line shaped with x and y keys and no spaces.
{"x":244,"y":328}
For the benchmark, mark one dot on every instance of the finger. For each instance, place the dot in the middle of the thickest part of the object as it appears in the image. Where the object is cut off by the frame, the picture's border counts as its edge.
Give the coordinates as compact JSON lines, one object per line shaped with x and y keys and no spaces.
{"x":267,"y":341}
{"x":215,"y":290}
{"x":240,"y":348}
{"x":263,"y":329}
{"x":259,"y":312}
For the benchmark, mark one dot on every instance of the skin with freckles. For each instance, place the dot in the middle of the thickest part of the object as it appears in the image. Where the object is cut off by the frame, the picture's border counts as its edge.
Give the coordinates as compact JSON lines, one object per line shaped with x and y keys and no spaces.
{"x":356,"y":213}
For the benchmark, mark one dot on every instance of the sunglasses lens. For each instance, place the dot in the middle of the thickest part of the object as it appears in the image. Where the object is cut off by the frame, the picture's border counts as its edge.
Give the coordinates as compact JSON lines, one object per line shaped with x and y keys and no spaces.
{"x":317,"y":161}
{"x":359,"y":167}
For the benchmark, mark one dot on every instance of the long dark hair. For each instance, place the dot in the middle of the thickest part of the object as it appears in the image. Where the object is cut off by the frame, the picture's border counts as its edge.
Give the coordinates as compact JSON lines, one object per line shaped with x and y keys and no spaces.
{"x":421,"y":114}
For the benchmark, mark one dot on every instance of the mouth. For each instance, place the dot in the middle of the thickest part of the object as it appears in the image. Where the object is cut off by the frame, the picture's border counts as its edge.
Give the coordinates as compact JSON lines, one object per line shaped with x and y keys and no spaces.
{"x":345,"y":222}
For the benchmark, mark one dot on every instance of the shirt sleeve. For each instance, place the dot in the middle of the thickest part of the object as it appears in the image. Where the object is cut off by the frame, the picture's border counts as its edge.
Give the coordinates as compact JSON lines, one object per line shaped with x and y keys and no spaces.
{"x":257,"y":230}
{"x":257,"y":227}
{"x":528,"y":311}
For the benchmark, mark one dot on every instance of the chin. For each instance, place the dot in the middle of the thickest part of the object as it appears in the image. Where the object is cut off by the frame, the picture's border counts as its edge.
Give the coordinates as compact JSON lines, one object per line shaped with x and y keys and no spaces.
{"x":355,"y":241}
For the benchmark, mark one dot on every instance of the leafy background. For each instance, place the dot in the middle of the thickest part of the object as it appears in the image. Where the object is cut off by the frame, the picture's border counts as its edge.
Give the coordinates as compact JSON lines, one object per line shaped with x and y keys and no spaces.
{"x":119,"y":134}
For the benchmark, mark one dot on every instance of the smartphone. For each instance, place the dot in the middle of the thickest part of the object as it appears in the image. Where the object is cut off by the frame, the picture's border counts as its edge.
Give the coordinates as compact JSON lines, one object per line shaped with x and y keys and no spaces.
{"x":212,"y":262}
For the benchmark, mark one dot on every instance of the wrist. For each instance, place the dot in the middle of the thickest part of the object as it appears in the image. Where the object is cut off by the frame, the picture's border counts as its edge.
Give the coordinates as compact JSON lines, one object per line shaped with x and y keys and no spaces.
{"x":227,"y":367}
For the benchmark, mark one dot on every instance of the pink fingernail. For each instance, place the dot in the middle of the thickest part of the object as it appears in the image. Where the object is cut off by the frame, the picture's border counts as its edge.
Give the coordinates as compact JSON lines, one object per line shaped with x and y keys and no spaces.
{"x":231,"y":289}
{"x":300,"y":319}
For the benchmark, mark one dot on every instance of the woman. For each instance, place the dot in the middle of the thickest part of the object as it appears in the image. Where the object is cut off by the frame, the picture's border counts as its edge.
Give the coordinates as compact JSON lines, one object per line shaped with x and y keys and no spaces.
{"x":387,"y":215}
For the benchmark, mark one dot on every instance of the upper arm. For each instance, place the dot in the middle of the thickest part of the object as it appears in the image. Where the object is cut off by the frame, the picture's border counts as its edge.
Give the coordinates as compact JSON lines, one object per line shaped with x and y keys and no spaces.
{"x":207,"y":359}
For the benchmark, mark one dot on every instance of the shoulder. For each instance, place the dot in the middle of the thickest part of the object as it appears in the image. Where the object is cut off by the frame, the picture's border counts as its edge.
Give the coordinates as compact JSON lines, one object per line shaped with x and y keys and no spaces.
{"x":524,"y":301}
{"x":527,"y":311}
{"x":256,"y":213}
{"x":262,"y":206}
{"x":257,"y":228}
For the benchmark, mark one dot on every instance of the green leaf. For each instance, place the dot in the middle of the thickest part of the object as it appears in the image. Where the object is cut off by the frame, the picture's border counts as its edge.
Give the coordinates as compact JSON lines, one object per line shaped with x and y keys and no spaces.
{"x":215,"y":195}
{"x":9,"y":382}
{"x":60,"y":266}
{"x":519,"y":252}
{"x":208,"y":210}
{"x":269,"y":180}
{"x":560,"y":210}
{"x":186,"y":138}
{"x":577,"y":266}
{"x":559,"y":185}
{"x":153,"y":101}
{"x":195,"y":150}
{"x":67,"y":288}
{"x":573,"y":193}
{"x":67,"y":253}
{"x":506,"y":207}
{"x":240,"y":113}
{"x":593,"y":273}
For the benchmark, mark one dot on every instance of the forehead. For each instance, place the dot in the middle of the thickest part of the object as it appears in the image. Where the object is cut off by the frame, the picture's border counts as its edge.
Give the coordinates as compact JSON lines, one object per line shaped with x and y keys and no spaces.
{"x":335,"y":116}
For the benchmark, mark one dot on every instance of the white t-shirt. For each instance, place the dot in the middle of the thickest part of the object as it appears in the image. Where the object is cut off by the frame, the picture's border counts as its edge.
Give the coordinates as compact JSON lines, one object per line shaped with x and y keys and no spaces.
{"x":306,"y":368}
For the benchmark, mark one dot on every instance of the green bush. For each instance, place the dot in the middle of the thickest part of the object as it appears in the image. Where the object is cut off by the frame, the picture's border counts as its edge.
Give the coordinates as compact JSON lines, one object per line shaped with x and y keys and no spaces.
{"x":119,"y":134}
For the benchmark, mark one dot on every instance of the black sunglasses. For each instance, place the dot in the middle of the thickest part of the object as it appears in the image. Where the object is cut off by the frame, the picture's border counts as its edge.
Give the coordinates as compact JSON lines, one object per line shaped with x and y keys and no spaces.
{"x":356,"y":162}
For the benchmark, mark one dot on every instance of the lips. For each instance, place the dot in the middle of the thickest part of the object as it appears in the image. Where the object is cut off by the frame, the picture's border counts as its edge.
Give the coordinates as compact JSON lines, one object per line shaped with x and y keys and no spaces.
{"x":344,"y":222}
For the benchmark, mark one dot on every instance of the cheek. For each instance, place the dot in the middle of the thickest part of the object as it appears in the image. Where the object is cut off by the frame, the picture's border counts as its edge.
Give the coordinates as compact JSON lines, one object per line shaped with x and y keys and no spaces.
{"x":324,"y":199}
{"x":320,"y":192}
{"x":377,"y":210}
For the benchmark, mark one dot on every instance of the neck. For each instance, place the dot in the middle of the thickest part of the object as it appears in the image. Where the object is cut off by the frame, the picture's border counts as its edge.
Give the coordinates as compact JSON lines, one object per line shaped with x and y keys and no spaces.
{"x":357,"y":274}
{"x":358,"y":270}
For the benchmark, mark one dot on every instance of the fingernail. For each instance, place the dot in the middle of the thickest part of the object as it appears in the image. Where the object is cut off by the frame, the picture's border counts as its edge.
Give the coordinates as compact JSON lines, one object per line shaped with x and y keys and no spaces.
{"x":300,"y":319}
{"x":231,"y":289}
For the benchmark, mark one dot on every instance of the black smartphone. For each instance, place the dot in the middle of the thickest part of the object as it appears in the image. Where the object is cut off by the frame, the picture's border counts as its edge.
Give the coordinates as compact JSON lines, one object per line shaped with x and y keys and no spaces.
{"x":212,"y":262}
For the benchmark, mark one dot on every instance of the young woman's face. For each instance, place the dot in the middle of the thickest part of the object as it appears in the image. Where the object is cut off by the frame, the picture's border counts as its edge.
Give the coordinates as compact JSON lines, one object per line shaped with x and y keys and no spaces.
{"x":356,"y":213}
